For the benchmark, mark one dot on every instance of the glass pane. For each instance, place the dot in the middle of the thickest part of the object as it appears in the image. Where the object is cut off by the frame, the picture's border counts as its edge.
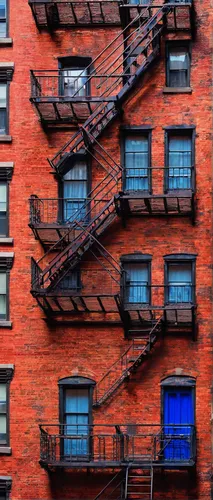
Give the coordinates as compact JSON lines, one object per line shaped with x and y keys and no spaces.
{"x":3,"y":121}
{"x":3,"y":307}
{"x":77,"y":401}
{"x":78,"y":172}
{"x":180,"y":157}
{"x":178,"y":59}
{"x":70,"y":282}
{"x":3,"y":224}
{"x":3,"y":397}
{"x":3,"y":34}
{"x":3,"y":427}
{"x":3,"y":283}
{"x":135,"y":143}
{"x":178,"y":78}
{"x":3,"y":95}
{"x":180,"y":283}
{"x":136,"y":163}
{"x":3,"y":197}
{"x":136,"y":283}
{"x":74,"y":82}
{"x":2,"y":8}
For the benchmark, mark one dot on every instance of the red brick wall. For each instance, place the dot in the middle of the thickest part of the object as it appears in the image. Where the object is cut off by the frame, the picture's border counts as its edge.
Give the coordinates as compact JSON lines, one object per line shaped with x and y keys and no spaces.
{"x":41,"y":354}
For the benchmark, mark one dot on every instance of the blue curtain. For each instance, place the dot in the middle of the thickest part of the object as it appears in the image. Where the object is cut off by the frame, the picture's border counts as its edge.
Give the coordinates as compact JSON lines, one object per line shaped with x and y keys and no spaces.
{"x":77,"y":414}
{"x":136,"y":283}
{"x":180,"y":283}
{"x":75,"y":192}
{"x":136,"y":163}
{"x":180,"y":159}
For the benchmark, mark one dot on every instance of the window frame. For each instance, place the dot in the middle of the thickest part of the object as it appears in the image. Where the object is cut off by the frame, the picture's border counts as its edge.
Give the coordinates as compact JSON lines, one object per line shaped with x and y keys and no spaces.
{"x":140,"y":130}
{"x":6,"y":21}
{"x":79,"y":157}
{"x":75,"y":63}
{"x":175,"y":130}
{"x":7,"y":272}
{"x":178,"y":44}
{"x":76,"y":382}
{"x":2,"y":181}
{"x":7,"y":414}
{"x":7,"y":84}
{"x":5,"y":486}
{"x":134,"y":259}
{"x":179,"y":259}
{"x":6,"y":375}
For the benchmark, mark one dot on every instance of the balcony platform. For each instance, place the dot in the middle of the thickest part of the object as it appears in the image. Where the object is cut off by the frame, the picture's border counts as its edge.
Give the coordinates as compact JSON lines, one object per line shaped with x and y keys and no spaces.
{"x":139,"y":203}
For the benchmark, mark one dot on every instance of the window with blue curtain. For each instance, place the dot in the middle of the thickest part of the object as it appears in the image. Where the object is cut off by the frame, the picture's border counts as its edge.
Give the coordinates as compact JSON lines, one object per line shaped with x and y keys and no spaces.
{"x":179,"y":162}
{"x":137,"y":283}
{"x":75,"y":185}
{"x":180,"y":282}
{"x":76,"y":418}
{"x":136,"y":151}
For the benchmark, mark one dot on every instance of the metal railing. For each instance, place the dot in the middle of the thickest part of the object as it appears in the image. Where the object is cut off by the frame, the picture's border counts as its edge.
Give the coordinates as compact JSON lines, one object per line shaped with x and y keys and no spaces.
{"x":67,"y":444}
{"x":145,"y":294}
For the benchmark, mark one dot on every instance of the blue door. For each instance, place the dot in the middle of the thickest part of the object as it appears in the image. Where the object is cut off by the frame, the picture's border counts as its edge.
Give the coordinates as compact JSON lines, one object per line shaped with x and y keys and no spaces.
{"x":76,"y":418}
{"x":178,"y":409}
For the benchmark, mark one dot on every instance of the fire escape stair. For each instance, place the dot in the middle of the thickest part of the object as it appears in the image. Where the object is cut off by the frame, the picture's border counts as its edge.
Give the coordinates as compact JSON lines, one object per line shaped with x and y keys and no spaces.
{"x":139,"y":483}
{"x":127,"y":364}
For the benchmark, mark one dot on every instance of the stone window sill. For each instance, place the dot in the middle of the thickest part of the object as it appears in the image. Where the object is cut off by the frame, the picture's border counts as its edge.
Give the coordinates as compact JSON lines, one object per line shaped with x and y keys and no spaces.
{"x":5,"y":324}
{"x":5,"y":138}
{"x":6,"y":41}
{"x":177,"y":90}
{"x":5,"y":450}
{"x":6,"y":241}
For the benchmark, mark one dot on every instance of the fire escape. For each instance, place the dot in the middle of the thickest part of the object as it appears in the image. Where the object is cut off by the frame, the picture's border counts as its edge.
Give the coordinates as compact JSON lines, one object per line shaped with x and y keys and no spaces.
{"x":77,"y":242}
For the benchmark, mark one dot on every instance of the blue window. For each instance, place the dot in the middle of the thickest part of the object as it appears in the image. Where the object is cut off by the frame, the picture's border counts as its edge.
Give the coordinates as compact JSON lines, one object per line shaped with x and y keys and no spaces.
{"x":3,"y":18}
{"x":76,"y":418}
{"x":137,"y":283}
{"x":179,"y":162}
{"x":180,"y":288}
{"x":71,"y":281}
{"x":136,"y":163}
{"x":75,"y":190}
{"x":178,"y":411}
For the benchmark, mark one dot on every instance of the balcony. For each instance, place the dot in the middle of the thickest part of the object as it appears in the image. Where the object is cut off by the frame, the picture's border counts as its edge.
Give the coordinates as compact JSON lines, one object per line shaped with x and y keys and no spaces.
{"x":62,"y":100}
{"x":100,"y":299}
{"x":109,"y":446}
{"x":157,"y":191}
{"x":57,"y":14}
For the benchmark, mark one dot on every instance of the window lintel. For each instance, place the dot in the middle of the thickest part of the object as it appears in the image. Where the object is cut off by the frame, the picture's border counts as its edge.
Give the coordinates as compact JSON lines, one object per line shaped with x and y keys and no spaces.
{"x":180,"y":257}
{"x":136,"y":257}
{"x":73,"y":381}
{"x":178,"y":380}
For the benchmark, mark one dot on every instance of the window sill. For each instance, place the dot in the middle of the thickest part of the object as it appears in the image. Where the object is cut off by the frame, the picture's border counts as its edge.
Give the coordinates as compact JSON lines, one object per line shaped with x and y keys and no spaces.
{"x":6,"y":241}
{"x":177,"y":90}
{"x":5,"y":324}
{"x":5,"y":450}
{"x":6,"y":41}
{"x":5,"y":138}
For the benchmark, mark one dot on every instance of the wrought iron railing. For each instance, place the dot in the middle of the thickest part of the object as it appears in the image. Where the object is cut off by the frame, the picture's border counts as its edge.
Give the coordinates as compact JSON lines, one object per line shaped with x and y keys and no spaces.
{"x":66,"y":444}
{"x":144,"y":294}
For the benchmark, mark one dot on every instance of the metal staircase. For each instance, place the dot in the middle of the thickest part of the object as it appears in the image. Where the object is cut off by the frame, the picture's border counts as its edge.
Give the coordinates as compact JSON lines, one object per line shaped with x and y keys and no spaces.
{"x":139,"y":483}
{"x":127,"y":364}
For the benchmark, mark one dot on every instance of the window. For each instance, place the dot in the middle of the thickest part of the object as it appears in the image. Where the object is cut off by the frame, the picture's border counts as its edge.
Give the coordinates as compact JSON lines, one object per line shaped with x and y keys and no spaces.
{"x":136,"y":279}
{"x":75,"y":190}
{"x":6,"y":262}
{"x":76,"y":416}
{"x":178,"y":418}
{"x":180,"y":279}
{"x":3,"y":18}
{"x":71,"y":281}
{"x":3,"y":109}
{"x":178,"y":66}
{"x":136,"y":162}
{"x":179,"y":159}
{"x":3,"y":209}
{"x":5,"y":487}
{"x":6,"y":374}
{"x":73,"y":74}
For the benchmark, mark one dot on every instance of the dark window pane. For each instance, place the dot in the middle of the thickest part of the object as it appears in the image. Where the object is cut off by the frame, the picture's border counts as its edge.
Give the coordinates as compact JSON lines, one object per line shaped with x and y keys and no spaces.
{"x":70,"y":282}
{"x":3,"y":115}
{"x":3,"y":224}
{"x":178,"y":79}
{"x":178,"y":67}
{"x":2,"y":8}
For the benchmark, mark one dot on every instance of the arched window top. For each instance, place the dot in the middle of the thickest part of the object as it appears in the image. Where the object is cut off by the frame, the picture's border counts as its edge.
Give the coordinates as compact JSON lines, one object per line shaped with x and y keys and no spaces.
{"x":136,"y":257}
{"x":180,"y":256}
{"x":76,"y":381}
{"x":179,"y":380}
